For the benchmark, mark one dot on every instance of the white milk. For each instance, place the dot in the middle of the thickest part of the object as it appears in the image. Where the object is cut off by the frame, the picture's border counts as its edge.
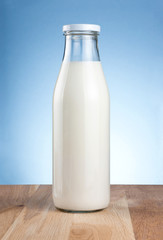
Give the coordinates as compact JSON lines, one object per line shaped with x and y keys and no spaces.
{"x":81,"y":137}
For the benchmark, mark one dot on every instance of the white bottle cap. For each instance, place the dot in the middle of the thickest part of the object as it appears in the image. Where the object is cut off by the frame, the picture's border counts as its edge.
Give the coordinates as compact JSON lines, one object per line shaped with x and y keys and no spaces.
{"x":81,"y":27}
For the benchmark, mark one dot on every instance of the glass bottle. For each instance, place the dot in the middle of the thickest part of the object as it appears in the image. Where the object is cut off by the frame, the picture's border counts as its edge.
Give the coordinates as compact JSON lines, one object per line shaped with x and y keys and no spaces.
{"x":81,"y":139}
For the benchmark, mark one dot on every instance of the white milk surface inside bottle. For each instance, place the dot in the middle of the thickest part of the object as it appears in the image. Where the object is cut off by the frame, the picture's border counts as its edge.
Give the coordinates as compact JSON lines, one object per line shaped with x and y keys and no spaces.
{"x":81,"y":180}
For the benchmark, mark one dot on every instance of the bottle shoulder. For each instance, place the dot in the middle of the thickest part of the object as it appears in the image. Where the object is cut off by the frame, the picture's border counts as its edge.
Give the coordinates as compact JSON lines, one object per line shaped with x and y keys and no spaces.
{"x":82,"y":79}
{"x":85,"y":71}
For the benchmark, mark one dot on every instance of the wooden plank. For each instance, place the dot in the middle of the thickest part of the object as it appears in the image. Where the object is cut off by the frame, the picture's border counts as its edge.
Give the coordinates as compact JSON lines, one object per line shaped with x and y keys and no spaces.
{"x":112,"y":223}
{"x":27,"y":212}
{"x":12,"y":199}
{"x":15,"y":195}
{"x":39,"y":219}
{"x":7,"y":218}
{"x":146,"y":209}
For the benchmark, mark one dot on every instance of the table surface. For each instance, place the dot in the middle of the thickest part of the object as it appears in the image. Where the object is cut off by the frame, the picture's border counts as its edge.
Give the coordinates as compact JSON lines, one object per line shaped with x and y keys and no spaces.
{"x":27,"y":212}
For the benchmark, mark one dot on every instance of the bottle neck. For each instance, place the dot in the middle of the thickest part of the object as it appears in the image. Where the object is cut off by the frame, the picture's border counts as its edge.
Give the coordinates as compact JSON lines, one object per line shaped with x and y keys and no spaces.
{"x":81,"y":47}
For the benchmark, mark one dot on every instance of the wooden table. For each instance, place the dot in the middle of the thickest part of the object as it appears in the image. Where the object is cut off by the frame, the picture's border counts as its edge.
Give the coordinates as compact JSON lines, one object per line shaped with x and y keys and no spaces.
{"x":28,"y":213}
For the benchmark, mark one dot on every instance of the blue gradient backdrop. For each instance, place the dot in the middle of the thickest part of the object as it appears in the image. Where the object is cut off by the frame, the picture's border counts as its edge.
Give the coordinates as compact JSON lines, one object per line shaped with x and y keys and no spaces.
{"x":131,"y":49}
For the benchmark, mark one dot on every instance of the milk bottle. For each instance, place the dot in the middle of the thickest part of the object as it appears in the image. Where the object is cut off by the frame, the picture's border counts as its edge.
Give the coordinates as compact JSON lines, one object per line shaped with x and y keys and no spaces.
{"x":81,"y":124}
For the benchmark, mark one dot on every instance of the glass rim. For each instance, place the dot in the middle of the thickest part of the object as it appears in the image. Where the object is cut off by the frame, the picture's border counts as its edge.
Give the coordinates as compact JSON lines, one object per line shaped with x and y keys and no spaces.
{"x":81,"y":32}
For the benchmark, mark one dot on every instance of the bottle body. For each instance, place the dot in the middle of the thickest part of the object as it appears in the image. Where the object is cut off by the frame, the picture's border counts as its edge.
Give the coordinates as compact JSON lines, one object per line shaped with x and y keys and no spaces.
{"x":81,"y":137}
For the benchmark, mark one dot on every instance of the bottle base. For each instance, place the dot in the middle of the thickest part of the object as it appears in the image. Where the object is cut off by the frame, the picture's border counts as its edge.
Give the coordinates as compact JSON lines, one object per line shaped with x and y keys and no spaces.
{"x":81,"y":206}
{"x":80,"y":211}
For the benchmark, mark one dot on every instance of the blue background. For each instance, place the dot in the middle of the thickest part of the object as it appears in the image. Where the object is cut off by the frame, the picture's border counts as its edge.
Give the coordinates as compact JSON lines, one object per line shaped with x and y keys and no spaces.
{"x":131,"y":50}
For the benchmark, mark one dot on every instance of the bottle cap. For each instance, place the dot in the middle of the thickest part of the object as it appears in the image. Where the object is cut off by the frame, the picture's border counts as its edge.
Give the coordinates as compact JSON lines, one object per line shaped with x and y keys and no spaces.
{"x":81,"y":27}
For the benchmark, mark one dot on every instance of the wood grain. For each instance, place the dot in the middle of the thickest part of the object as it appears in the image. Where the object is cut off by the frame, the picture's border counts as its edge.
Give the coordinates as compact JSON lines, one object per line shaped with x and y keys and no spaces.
{"x":111,"y":223}
{"x":27,"y":212}
{"x":12,"y":200}
{"x":146,"y":210}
